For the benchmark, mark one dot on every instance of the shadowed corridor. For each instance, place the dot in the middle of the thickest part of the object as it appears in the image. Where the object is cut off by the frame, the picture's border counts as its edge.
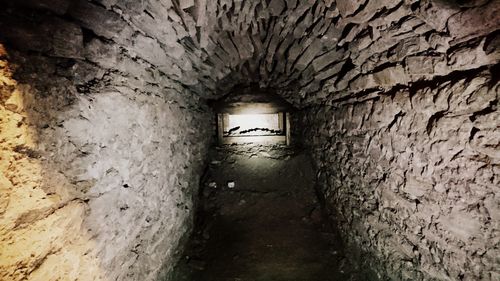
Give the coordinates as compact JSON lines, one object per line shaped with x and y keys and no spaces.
{"x":268,"y":227}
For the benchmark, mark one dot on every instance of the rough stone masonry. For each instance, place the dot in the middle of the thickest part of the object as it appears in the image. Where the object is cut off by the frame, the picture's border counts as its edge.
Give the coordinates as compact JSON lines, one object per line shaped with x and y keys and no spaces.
{"x":104,"y":127}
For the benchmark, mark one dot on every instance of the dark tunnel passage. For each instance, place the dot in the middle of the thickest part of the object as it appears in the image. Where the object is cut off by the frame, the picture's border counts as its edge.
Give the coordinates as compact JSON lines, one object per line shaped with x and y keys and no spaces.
{"x":259,"y":140}
{"x":268,"y":226}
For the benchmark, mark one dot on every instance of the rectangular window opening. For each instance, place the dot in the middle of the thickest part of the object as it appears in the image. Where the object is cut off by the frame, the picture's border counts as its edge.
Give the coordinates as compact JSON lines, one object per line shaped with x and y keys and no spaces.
{"x":253,"y":128}
{"x":242,"y":125}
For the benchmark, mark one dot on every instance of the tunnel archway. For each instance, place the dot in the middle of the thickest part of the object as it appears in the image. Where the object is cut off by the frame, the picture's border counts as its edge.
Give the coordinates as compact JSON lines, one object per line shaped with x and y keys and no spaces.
{"x":249,"y":114}
{"x":106,"y":129}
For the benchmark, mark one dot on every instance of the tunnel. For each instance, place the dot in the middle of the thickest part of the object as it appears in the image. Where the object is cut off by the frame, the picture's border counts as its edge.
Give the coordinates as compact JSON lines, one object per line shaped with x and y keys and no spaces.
{"x":249,"y":140}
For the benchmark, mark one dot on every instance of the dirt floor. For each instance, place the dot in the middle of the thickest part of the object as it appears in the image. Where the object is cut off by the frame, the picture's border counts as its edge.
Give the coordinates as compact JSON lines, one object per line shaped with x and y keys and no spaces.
{"x":268,"y":227}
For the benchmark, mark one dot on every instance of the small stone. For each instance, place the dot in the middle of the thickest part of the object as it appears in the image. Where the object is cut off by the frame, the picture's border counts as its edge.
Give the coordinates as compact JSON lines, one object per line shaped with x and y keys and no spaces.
{"x":276,"y":7}
{"x":14,"y":102}
{"x":185,"y":4}
{"x":440,"y":187}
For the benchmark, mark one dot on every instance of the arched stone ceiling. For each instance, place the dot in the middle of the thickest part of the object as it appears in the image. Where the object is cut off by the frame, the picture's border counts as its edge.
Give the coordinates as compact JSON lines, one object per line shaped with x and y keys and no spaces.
{"x":308,"y":50}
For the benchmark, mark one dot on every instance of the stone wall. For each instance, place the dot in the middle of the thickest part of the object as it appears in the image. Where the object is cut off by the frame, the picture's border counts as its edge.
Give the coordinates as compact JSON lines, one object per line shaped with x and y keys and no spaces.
{"x":75,"y":59}
{"x":307,"y":49}
{"x":98,"y":168}
{"x":412,"y":177}
{"x":101,"y":143}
